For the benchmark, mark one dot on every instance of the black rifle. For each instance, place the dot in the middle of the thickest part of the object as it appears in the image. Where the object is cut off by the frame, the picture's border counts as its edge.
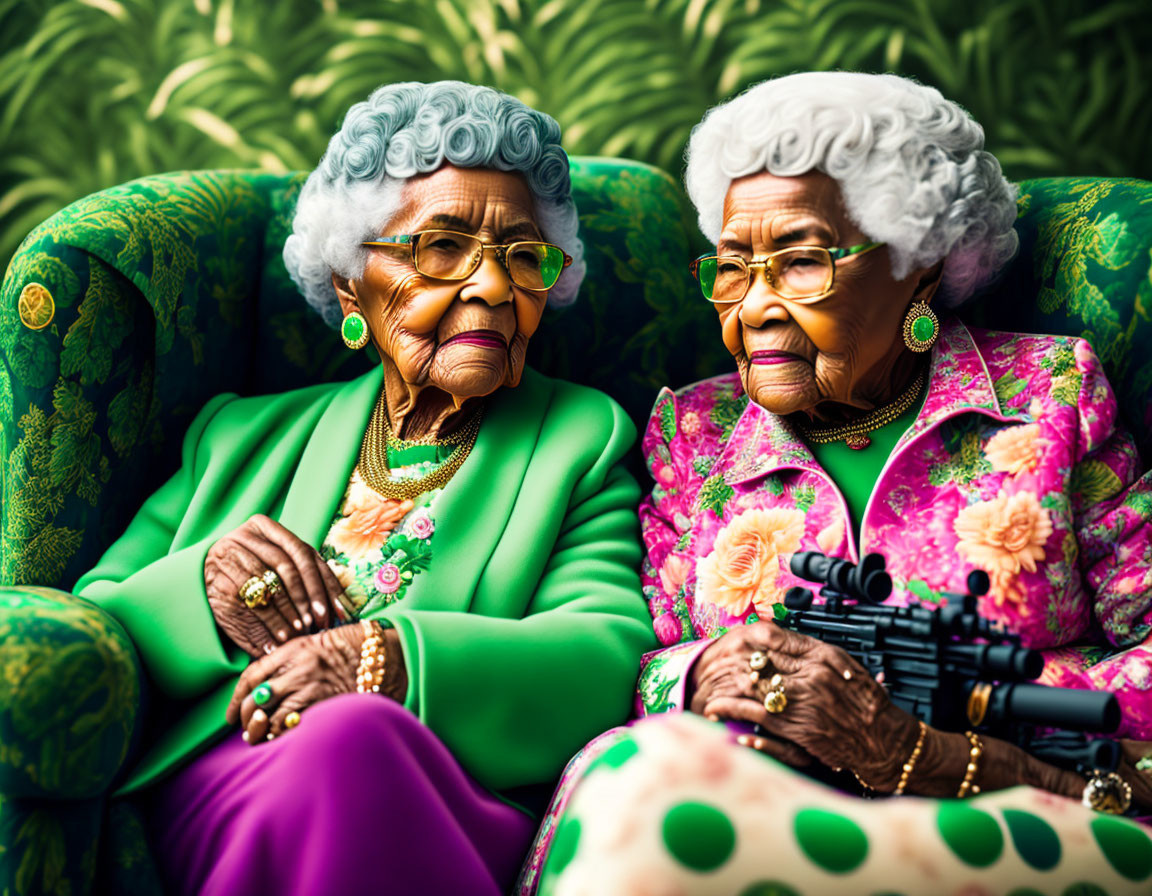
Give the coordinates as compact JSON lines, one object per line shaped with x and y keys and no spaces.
{"x":949,"y":665}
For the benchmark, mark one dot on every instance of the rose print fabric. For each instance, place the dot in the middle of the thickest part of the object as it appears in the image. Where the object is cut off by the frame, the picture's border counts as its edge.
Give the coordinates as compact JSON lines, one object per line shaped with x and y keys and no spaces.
{"x":376,"y":546}
{"x":1015,"y":465}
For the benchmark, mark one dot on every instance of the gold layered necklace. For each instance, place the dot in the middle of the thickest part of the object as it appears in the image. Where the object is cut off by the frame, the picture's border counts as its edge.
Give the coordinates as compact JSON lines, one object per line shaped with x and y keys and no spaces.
{"x":378,"y":438}
{"x":855,"y":434}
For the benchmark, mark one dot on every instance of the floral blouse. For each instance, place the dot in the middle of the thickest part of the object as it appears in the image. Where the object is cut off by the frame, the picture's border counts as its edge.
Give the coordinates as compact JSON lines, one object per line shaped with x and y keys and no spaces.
{"x":1015,"y":465}
{"x":376,"y":546}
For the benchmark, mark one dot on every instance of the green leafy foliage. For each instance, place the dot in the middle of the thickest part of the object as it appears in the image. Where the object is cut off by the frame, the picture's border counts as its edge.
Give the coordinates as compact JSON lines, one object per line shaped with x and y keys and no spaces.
{"x":703,"y":464}
{"x":97,"y":93}
{"x":726,"y":412}
{"x":98,"y":331}
{"x":714,"y":494}
{"x":667,"y":420}
{"x":1094,"y":481}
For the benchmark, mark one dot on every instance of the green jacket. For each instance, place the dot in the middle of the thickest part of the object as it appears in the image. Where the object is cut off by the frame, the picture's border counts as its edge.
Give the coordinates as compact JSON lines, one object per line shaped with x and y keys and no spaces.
{"x":521,"y":641}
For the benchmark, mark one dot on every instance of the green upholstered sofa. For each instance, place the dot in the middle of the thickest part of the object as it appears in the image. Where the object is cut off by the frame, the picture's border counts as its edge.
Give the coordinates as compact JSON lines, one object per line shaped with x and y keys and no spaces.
{"x":121,"y":315}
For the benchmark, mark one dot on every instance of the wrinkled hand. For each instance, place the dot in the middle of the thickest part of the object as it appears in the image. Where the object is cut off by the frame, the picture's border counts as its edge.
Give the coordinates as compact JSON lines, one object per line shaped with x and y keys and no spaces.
{"x":835,"y":713}
{"x":305,"y":671}
{"x":310,"y":598}
{"x":1131,"y":752}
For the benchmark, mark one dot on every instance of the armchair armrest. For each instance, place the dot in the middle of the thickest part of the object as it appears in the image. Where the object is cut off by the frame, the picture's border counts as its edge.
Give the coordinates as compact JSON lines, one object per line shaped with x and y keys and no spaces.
{"x":70,"y":687}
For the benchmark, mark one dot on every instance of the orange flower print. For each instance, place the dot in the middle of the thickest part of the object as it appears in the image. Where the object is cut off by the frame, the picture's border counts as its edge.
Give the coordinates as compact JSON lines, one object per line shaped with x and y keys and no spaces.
{"x":1003,"y":536}
{"x":744,"y":564}
{"x":831,"y":537}
{"x":673,"y":573}
{"x":1013,"y":450}
{"x":368,"y":520}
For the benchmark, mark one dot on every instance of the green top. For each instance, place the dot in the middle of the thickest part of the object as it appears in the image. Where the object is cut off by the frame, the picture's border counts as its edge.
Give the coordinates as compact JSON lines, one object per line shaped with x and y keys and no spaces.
{"x":521,"y":639}
{"x":855,"y":471}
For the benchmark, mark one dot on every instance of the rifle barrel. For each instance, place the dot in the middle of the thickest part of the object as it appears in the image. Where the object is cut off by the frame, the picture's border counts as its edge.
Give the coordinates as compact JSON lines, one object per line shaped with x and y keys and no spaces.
{"x":1050,"y":707}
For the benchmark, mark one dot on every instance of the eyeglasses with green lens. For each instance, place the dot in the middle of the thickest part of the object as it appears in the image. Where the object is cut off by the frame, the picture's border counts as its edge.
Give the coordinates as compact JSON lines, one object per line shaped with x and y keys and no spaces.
{"x":798,"y":273}
{"x":448,"y":255}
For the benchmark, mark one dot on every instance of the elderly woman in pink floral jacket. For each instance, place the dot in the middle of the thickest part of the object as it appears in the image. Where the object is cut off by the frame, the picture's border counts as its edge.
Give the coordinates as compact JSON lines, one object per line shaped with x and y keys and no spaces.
{"x":850,"y":214}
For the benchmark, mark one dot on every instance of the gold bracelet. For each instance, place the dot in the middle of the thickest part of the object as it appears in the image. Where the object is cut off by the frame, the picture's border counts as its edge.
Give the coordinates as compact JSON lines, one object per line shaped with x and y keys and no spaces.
{"x":370,"y":672}
{"x":906,"y":772}
{"x":867,"y":790}
{"x":975,"y":751}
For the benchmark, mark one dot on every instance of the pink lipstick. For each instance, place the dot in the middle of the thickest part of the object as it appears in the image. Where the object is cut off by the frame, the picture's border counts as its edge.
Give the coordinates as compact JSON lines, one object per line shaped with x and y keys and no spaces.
{"x":773,"y":357}
{"x":482,"y":338}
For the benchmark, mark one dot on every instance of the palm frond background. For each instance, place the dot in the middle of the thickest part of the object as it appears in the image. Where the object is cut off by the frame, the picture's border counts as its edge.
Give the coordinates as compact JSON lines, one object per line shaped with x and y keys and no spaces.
{"x":96,"y":92}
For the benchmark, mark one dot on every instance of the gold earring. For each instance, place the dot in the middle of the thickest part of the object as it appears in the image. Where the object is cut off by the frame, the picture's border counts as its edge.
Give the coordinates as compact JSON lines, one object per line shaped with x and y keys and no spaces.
{"x":354,"y":331}
{"x":921,"y":327}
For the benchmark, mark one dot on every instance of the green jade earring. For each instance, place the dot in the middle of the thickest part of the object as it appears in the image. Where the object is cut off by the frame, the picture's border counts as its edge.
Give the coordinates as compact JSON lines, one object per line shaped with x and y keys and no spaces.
{"x":921,"y":327}
{"x":354,"y":331}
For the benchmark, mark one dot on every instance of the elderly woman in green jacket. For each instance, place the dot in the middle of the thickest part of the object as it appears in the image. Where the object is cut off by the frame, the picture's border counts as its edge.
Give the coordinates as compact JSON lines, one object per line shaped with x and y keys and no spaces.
{"x":424,"y":580}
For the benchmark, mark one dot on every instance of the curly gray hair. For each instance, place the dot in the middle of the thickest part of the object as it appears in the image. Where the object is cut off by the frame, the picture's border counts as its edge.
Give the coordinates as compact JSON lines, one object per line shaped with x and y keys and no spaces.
{"x":910,"y":166}
{"x":402,"y":130}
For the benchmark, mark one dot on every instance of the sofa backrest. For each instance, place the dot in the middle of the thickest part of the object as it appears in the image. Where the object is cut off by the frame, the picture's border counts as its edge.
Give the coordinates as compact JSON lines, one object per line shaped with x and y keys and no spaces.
{"x":171,"y":289}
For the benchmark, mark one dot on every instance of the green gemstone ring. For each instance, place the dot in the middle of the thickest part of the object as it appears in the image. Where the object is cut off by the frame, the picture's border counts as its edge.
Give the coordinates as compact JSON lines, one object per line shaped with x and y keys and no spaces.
{"x":262,"y":694}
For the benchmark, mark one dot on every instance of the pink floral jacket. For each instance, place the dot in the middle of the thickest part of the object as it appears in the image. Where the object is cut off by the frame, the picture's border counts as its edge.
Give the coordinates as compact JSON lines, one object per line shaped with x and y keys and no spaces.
{"x":1015,"y":465}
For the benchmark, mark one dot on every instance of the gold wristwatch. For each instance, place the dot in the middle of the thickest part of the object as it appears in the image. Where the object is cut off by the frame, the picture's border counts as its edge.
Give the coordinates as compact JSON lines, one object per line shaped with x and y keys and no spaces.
{"x":1107,"y":792}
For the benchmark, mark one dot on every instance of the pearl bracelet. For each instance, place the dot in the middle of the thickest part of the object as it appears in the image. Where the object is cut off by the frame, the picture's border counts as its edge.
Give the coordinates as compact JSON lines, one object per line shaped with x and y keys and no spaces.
{"x":370,"y":672}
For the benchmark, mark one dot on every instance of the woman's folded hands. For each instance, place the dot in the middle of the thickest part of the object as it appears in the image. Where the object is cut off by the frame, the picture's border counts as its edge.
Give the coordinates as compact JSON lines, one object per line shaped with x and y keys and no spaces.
{"x":813,"y":701}
{"x":305,"y":671}
{"x":266,"y":586}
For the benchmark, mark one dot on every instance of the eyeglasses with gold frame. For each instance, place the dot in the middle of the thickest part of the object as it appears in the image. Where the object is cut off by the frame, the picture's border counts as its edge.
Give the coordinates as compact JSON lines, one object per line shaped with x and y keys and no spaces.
{"x":798,"y":273}
{"x":448,"y":255}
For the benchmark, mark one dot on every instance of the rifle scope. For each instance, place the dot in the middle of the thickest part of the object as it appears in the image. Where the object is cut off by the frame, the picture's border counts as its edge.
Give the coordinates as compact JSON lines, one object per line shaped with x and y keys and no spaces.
{"x":866,"y":580}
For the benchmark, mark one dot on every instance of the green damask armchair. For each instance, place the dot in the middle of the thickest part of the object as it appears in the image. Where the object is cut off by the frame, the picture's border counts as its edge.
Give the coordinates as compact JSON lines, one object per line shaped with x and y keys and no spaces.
{"x":124,"y":313}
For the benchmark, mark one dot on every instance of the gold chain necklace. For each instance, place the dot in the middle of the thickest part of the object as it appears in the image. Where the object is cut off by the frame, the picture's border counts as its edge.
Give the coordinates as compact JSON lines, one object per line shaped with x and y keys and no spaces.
{"x":855,"y":434}
{"x":378,"y":437}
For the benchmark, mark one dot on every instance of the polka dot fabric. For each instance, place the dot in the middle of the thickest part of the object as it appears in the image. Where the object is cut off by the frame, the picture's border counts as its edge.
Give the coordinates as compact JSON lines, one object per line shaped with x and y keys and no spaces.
{"x":676,"y":808}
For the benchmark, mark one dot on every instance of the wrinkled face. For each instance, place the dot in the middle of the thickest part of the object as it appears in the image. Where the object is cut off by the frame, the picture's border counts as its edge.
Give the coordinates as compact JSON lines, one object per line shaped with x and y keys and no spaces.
{"x":794,"y":355}
{"x":467,"y":337}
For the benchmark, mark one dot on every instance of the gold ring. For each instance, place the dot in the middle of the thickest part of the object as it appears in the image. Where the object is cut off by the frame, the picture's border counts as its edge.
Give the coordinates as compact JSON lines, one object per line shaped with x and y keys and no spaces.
{"x":254,"y":592}
{"x":775,"y":700}
{"x":292,"y":719}
{"x":275,"y":585}
{"x":756,"y":662}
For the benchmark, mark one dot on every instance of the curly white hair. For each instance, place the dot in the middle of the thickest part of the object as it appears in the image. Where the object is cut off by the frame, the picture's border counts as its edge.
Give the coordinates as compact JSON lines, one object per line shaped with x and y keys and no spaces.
{"x":910,"y":165}
{"x":406,"y":129}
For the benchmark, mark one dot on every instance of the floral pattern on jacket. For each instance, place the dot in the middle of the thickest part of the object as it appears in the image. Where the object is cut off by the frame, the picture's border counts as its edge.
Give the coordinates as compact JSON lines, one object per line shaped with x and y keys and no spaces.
{"x":376,"y":545}
{"x":1015,"y":464}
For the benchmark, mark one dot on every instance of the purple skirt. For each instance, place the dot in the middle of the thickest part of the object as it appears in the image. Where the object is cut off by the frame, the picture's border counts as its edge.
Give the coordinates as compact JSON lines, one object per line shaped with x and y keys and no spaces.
{"x":360,"y":798}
